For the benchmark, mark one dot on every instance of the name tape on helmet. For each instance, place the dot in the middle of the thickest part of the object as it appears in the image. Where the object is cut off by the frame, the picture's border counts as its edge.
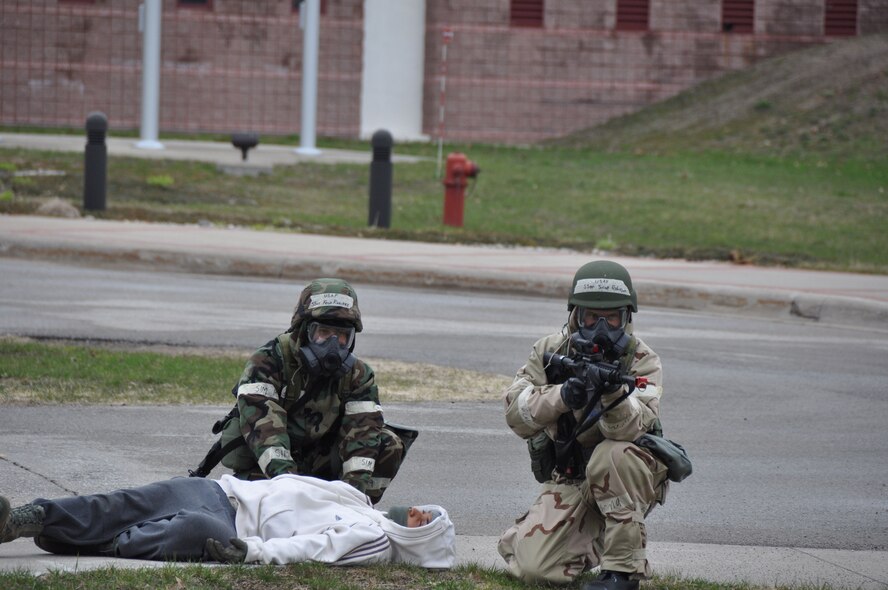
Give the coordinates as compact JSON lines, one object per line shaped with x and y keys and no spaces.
{"x":331,"y":300}
{"x":601,"y":286}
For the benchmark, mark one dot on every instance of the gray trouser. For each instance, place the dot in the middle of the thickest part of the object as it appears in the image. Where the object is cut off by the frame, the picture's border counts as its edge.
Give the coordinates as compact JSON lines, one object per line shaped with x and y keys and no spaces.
{"x":166,"y":520}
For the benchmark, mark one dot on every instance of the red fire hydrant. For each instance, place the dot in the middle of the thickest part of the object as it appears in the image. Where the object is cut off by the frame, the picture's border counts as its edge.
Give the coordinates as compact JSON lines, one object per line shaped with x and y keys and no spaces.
{"x":459,"y":169}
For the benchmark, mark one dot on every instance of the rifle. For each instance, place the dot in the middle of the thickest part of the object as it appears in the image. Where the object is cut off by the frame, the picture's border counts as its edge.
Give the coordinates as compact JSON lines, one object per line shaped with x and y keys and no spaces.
{"x":218,"y":451}
{"x":599,"y":376}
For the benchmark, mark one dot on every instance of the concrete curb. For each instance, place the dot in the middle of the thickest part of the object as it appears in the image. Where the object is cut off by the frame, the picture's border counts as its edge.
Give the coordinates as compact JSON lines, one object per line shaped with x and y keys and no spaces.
{"x":773,"y":304}
{"x":827,"y":309}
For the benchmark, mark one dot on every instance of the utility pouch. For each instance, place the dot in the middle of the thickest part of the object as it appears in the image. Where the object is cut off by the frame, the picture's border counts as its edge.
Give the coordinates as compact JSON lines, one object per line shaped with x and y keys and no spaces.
{"x":542,"y":456}
{"x":405,"y":433}
{"x":672,"y":454}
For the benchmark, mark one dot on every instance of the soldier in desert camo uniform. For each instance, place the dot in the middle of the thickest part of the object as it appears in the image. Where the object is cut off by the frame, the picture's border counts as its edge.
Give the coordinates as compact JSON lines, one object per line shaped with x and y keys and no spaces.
{"x":593,"y":502}
{"x":308,"y":406}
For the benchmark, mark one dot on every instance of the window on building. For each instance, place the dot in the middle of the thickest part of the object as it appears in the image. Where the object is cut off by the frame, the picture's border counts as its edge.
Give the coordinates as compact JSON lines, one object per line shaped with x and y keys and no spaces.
{"x":206,"y":4}
{"x":738,"y":16}
{"x":77,"y":1}
{"x":526,"y":13}
{"x":840,"y":17}
{"x":633,"y":15}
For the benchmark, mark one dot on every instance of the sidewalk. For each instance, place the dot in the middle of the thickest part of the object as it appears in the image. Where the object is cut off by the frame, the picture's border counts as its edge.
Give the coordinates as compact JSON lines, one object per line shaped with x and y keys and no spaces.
{"x":260,"y":158}
{"x":829,"y":297}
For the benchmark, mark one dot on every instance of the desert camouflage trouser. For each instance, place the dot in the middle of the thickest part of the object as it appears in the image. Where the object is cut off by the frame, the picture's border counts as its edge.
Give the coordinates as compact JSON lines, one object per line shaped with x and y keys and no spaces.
{"x":322,"y":461}
{"x":576,"y":525}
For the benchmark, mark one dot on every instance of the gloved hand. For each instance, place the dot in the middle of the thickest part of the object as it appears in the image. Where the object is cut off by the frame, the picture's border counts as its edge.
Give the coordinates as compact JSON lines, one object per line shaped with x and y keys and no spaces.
{"x":597,"y":377}
{"x":217,"y":551}
{"x":573,"y":394}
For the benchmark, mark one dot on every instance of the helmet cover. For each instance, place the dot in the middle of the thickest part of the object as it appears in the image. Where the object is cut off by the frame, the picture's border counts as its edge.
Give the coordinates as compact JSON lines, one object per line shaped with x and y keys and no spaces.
{"x":602,"y":284}
{"x":331,"y":301}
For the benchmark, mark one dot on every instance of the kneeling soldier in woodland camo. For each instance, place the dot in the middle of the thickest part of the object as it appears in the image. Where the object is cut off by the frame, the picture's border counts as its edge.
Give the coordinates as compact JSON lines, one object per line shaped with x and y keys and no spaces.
{"x":307,"y":406}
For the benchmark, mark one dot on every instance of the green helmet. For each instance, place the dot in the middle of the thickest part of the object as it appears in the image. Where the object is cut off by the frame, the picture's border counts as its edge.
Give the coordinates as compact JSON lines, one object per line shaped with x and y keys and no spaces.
{"x":327,"y":300}
{"x":602,"y":285}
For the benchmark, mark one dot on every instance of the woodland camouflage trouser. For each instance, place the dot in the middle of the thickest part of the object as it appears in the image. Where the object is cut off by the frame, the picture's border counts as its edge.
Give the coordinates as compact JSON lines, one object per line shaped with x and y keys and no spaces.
{"x":322,"y":461}
{"x":577,"y":525}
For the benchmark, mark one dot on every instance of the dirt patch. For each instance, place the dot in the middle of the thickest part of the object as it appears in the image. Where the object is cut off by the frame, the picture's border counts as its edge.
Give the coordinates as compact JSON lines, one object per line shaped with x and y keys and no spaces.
{"x":400,"y":381}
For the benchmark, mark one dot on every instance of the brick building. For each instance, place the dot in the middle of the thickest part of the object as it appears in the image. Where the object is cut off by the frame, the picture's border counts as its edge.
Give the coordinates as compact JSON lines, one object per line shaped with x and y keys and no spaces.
{"x":516,"y":71}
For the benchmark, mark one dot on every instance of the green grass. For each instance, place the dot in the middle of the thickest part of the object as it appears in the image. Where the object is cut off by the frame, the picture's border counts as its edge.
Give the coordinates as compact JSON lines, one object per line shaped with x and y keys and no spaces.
{"x":38,"y":373}
{"x":51,"y":373}
{"x":814,"y":211}
{"x":319,"y":577}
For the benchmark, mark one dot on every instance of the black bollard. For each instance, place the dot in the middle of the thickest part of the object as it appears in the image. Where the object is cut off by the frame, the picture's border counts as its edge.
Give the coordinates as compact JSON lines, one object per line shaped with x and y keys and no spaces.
{"x":243,"y":142}
{"x":381,"y":180}
{"x":95,"y":162}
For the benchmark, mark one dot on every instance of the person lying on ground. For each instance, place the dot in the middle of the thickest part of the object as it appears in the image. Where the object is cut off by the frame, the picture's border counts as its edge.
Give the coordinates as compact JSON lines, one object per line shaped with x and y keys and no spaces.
{"x":287,"y":519}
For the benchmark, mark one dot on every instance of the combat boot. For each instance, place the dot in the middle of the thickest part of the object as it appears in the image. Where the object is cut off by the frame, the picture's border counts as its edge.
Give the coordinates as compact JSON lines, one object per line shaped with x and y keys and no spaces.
{"x":608,"y":580}
{"x":24,"y":521}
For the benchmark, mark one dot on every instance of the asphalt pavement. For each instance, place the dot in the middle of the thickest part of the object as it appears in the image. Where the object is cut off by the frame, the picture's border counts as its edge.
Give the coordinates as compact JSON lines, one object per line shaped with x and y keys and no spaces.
{"x":796,"y":295}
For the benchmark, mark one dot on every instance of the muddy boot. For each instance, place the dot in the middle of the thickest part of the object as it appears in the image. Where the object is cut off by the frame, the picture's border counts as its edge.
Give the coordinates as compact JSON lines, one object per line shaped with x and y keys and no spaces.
{"x":24,"y":521}
{"x":612,"y":581}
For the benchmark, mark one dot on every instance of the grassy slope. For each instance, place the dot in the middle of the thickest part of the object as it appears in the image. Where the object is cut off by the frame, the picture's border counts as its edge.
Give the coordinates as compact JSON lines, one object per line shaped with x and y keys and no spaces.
{"x":830,"y":100}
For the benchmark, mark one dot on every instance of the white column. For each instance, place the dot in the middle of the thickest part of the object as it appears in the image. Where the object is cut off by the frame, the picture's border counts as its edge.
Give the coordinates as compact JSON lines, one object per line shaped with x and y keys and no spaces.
{"x":394,"y":68}
{"x":310,"y":19}
{"x":150,"y":21}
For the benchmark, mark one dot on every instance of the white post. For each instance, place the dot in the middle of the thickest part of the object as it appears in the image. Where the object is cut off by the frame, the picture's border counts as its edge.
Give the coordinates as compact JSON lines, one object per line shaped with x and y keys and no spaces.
{"x":446,"y":38}
{"x":393,"y":73}
{"x":150,"y":17}
{"x":311,"y":11}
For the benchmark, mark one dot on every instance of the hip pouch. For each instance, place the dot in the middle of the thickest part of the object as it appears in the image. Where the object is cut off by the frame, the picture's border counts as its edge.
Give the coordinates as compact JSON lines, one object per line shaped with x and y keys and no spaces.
{"x":671,"y":454}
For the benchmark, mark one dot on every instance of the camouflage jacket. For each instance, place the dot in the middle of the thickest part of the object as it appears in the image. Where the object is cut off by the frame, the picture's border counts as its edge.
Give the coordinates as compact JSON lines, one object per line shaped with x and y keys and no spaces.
{"x":282,"y":421}
{"x":532,"y":404}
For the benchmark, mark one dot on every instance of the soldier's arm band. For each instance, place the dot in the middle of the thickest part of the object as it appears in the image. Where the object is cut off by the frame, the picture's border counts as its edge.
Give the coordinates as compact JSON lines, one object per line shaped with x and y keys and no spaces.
{"x":266,"y":389}
{"x":271,"y":454}
{"x":361,"y":408}
{"x":358,"y":464}
{"x":524,"y":408}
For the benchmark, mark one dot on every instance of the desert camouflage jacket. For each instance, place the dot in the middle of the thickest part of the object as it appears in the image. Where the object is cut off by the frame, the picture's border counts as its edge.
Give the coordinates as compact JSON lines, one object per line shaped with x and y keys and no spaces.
{"x":282,"y":421}
{"x":533,"y":404}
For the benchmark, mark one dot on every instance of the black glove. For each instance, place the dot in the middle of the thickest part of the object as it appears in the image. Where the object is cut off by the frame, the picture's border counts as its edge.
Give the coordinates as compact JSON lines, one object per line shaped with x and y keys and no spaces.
{"x":217,"y":551}
{"x":573,"y":394}
{"x":603,"y":379}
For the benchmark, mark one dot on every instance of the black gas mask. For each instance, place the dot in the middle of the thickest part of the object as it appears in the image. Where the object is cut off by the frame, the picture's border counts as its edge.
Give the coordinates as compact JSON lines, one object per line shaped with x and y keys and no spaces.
{"x":328,"y":351}
{"x":601,"y":338}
